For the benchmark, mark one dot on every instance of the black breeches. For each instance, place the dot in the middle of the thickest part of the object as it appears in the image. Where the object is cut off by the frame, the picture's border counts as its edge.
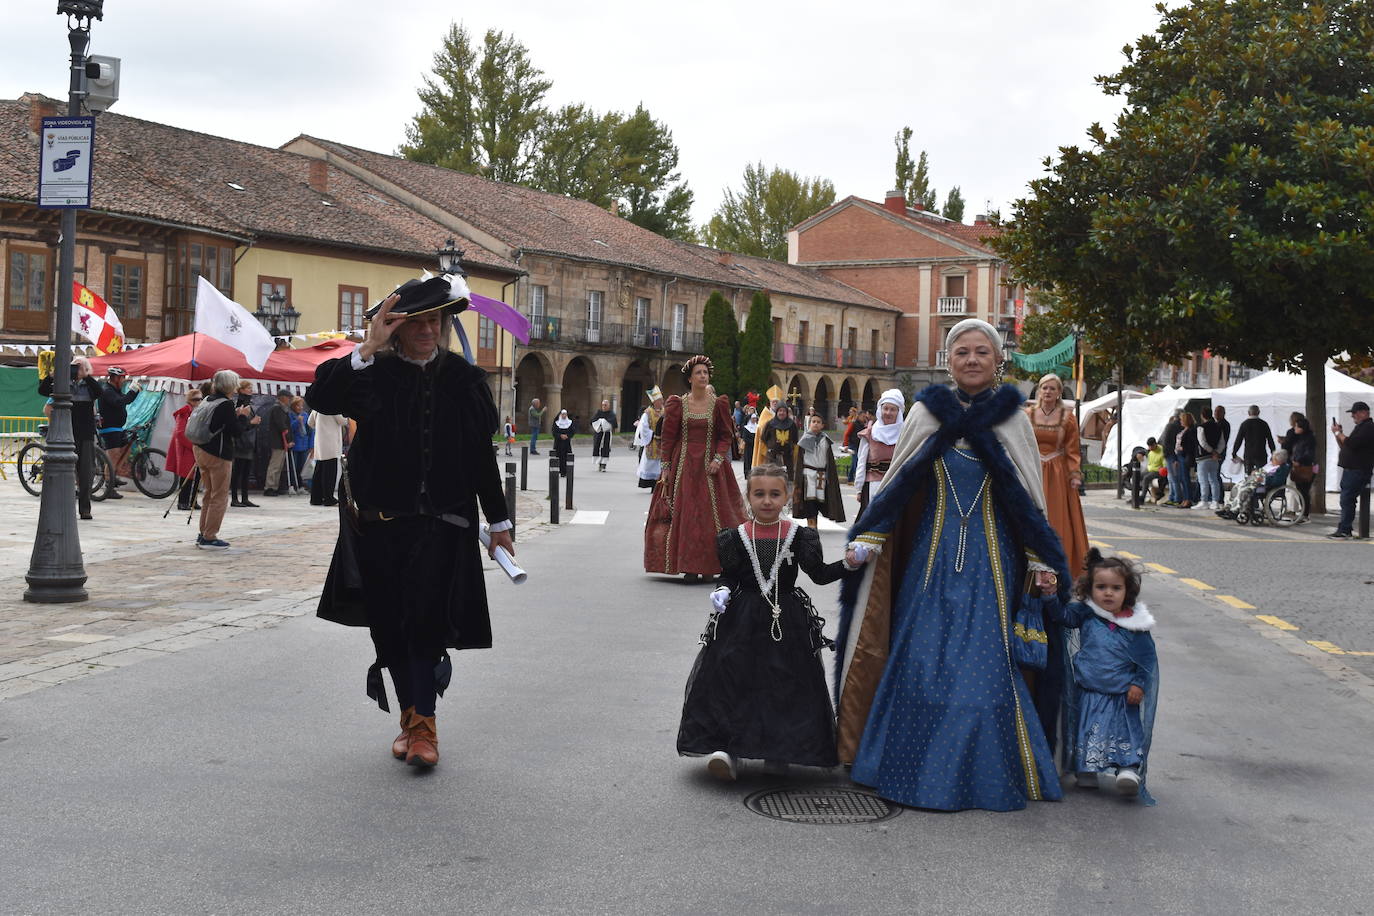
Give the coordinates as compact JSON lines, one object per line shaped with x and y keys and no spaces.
{"x":238,"y":478}
{"x":322,"y":484}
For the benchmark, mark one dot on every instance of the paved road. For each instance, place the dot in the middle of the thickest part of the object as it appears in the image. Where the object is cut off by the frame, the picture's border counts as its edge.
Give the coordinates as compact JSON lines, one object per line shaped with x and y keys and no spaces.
{"x":250,"y":774}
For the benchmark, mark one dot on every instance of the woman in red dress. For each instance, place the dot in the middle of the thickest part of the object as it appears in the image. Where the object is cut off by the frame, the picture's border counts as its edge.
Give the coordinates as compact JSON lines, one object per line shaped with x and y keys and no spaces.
{"x":697,"y":495}
{"x":180,"y":460}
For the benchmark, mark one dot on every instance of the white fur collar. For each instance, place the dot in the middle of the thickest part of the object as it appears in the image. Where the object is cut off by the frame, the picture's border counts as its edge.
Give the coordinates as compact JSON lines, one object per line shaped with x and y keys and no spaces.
{"x":1141,"y":621}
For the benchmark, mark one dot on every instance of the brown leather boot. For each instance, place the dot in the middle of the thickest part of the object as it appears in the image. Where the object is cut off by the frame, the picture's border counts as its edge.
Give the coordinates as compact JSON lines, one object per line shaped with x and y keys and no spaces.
{"x":401,"y":745}
{"x":424,"y":742}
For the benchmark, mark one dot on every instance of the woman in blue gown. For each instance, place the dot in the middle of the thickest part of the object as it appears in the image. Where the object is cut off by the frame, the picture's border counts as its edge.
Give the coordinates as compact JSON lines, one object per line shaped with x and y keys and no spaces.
{"x":937,"y":705}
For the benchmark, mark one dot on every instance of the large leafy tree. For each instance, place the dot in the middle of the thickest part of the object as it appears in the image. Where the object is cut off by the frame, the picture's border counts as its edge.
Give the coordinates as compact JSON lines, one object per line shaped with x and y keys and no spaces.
{"x":954,"y":205}
{"x":574,"y":155}
{"x":1230,"y":207}
{"x":479,"y":112}
{"x":756,"y":346}
{"x":721,"y":343}
{"x":650,"y":186}
{"x":756,"y":220}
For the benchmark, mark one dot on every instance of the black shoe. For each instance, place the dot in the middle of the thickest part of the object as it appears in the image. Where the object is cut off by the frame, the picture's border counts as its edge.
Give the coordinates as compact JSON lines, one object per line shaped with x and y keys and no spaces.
{"x":86,"y":518}
{"x":233,"y":504}
{"x":330,"y":502}
{"x":182,"y":508}
{"x":1340,"y":535}
{"x":270,"y":493}
{"x":247,"y":505}
{"x":113,"y":494}
{"x":119,"y":482}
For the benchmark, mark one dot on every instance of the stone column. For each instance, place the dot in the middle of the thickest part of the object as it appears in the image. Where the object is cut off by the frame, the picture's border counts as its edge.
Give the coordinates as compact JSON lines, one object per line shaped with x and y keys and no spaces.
{"x":554,"y":405}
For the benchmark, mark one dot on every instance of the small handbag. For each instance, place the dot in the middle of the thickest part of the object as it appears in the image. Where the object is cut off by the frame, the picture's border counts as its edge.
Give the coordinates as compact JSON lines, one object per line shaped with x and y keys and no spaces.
{"x":1030,"y":646}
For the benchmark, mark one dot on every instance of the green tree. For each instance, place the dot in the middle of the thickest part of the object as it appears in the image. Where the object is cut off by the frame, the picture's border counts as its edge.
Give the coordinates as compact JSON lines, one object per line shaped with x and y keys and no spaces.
{"x":756,"y":346}
{"x":721,"y":342}
{"x":1231,"y":206}
{"x":913,"y":178}
{"x":479,"y":114}
{"x":574,"y":155}
{"x":954,"y":205}
{"x":756,"y":220}
{"x":652,"y":189}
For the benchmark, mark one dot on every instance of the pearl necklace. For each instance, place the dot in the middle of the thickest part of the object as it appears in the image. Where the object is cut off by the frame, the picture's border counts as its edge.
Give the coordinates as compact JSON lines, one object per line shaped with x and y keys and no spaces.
{"x":771,"y":583}
{"x":964,"y":517}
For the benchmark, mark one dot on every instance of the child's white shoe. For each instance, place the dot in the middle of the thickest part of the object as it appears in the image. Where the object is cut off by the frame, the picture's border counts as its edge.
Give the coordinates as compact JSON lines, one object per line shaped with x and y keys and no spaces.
{"x":1128,"y":781}
{"x":1087,"y":780}
{"x":722,"y":766}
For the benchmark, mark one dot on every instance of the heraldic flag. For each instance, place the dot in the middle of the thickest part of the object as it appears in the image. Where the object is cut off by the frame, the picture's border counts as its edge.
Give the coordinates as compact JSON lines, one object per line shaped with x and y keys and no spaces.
{"x":232,"y":325}
{"x":94,"y":320}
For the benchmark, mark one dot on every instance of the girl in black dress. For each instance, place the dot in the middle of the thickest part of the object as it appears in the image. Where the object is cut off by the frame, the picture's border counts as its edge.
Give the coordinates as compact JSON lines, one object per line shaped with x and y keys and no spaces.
{"x":758,"y":688}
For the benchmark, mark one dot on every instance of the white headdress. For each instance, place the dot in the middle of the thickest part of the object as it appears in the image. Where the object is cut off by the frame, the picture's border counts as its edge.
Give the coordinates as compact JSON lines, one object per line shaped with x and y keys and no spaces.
{"x":887,"y":433}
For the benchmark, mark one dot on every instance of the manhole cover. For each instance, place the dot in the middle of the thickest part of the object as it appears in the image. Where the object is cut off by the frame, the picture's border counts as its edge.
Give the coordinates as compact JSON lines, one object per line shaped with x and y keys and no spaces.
{"x":821,"y":805}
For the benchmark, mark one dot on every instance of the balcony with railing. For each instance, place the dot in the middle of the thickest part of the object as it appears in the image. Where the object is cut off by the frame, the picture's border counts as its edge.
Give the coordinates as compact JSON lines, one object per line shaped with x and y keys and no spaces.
{"x":941,"y":359}
{"x":598,"y":333}
{"x":951,"y":305}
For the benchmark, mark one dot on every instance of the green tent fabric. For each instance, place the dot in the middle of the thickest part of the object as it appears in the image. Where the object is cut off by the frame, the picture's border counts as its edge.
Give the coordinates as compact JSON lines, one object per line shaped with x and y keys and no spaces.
{"x":1046,"y":360}
{"x":144,"y":410}
{"x":19,"y":395}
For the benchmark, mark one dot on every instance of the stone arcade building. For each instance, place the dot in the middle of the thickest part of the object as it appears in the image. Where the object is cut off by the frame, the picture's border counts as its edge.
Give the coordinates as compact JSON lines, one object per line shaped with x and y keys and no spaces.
{"x":616,"y":309}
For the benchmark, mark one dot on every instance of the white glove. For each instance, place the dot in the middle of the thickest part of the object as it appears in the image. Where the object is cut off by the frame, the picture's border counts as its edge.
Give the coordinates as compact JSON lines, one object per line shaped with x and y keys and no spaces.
{"x":720,"y":598}
{"x":861,"y":555}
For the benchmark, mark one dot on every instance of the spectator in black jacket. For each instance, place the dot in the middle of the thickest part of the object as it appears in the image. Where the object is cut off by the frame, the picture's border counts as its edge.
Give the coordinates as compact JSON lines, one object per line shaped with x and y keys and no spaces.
{"x":1301,"y":444}
{"x":1173,"y":461}
{"x":245,"y":448}
{"x":279,"y":439}
{"x":1356,"y":462}
{"x":1186,"y":449}
{"x":114,"y":414}
{"x":85,"y":397}
{"x":1254,"y":439}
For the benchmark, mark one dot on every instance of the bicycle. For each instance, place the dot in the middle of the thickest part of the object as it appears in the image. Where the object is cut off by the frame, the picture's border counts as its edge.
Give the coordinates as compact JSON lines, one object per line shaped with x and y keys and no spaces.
{"x":29,"y":466}
{"x":148,"y":466}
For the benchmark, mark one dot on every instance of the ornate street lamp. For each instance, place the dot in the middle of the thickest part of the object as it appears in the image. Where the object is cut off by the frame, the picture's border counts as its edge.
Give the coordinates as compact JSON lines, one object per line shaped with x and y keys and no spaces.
{"x":451,"y":259}
{"x":290,"y":318}
{"x":56,"y":572}
{"x":270,"y":314}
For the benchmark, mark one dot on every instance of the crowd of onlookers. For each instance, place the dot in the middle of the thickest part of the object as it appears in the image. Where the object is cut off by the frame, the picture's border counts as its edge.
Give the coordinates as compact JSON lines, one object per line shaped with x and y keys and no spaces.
{"x":1183,"y":467}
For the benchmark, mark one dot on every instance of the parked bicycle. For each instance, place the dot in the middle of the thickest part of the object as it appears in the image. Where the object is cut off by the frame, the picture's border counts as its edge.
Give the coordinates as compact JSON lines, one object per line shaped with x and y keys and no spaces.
{"x":29,"y":466}
{"x":148,"y":466}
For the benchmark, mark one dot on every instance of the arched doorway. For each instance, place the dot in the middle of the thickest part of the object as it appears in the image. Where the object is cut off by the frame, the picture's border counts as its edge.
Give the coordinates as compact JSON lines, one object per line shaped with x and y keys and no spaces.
{"x":531,"y":381}
{"x":579,"y":382}
{"x":673,"y":381}
{"x":822,"y":403}
{"x":871,"y":395}
{"x":639,"y":378}
{"x":848,"y":390}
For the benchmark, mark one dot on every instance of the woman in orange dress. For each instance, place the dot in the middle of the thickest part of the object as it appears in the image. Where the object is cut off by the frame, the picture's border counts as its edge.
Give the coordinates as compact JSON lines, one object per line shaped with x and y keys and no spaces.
{"x":1061,"y":468}
{"x":697,"y":495}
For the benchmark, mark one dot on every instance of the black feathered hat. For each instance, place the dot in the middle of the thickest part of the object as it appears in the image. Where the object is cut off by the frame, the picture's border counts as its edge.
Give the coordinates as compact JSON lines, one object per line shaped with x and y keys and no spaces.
{"x":420,"y":296}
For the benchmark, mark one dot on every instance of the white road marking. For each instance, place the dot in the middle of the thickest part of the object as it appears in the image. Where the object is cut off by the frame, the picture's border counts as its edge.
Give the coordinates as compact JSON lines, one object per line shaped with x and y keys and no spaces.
{"x":589,"y":517}
{"x":79,"y":637}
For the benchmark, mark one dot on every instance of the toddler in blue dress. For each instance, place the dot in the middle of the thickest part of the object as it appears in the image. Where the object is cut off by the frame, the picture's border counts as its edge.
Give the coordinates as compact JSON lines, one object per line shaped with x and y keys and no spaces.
{"x":1113,"y":676}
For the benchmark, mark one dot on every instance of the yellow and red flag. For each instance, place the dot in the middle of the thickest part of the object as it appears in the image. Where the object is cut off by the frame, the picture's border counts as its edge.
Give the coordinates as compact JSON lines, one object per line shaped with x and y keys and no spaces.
{"x":94,"y":320}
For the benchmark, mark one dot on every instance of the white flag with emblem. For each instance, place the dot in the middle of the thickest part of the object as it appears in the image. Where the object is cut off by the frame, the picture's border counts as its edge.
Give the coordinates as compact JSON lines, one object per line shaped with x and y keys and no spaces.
{"x":232,"y":325}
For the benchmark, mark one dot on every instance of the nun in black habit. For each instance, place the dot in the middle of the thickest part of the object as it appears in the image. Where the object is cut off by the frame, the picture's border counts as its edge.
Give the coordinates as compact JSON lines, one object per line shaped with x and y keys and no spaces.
{"x":563,"y":431}
{"x":407,"y":563}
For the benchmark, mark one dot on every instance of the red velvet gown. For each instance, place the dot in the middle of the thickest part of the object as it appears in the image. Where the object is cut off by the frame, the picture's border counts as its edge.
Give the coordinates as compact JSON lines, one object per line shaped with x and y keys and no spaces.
{"x":690,"y":506}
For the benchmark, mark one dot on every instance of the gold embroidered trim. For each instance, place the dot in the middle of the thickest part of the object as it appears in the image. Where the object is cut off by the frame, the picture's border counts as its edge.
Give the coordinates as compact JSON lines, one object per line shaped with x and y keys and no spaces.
{"x":940,"y":508}
{"x":871,"y":538}
{"x":1022,"y":733}
{"x":1026,"y":634}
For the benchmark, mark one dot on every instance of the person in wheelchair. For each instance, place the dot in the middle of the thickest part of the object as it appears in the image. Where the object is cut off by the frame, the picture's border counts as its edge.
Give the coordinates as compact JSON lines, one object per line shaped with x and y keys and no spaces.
{"x":1257,"y":484}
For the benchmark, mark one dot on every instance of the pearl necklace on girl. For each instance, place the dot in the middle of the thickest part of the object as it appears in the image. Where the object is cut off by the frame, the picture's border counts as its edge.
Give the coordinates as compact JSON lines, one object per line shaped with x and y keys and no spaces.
{"x":771,"y":583}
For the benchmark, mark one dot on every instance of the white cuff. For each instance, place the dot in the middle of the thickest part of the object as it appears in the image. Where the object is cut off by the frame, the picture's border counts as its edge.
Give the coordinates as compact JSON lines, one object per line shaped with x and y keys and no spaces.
{"x":501,"y":526}
{"x":357,"y":362}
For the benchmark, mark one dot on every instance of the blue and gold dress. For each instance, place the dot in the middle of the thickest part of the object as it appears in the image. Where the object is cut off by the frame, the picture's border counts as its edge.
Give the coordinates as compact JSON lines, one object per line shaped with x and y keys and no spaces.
{"x":933,"y":700}
{"x":952,"y":725}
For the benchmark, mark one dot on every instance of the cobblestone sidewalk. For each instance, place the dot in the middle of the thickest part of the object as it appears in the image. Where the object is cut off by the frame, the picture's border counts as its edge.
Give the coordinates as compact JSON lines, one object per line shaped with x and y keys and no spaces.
{"x":152,"y":592}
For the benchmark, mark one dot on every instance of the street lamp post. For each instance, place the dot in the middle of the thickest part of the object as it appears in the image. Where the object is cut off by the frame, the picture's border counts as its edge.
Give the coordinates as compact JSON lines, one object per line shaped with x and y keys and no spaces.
{"x":278,"y":318}
{"x":56,"y":573}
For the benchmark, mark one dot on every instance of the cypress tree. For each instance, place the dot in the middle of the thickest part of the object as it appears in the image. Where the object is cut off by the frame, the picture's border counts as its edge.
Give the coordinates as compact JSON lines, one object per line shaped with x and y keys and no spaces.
{"x":756,"y":346}
{"x":720,"y":342}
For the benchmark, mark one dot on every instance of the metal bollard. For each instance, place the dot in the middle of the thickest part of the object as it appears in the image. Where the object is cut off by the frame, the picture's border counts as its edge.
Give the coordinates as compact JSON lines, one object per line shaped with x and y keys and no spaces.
{"x":510,"y":495}
{"x":524,"y":467}
{"x":553,"y":490}
{"x":1363,"y":515}
{"x":568,"y":467}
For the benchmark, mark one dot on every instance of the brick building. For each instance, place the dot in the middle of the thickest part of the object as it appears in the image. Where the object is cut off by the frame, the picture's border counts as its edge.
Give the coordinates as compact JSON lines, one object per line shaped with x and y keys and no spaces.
{"x":935,"y":270}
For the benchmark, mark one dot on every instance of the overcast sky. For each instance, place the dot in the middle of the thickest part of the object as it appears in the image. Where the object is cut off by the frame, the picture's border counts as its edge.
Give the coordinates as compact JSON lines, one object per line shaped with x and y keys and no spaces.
{"x":990,"y":86}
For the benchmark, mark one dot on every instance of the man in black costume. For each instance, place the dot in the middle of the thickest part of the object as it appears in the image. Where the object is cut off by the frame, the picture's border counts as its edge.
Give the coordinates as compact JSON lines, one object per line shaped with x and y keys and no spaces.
{"x":85,"y":396}
{"x":421,"y":463}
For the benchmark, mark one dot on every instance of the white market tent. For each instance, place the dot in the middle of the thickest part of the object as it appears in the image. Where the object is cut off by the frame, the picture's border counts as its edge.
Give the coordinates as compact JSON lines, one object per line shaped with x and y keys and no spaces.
{"x":1094,"y":416}
{"x":1145,"y":417}
{"x":1278,"y":394}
